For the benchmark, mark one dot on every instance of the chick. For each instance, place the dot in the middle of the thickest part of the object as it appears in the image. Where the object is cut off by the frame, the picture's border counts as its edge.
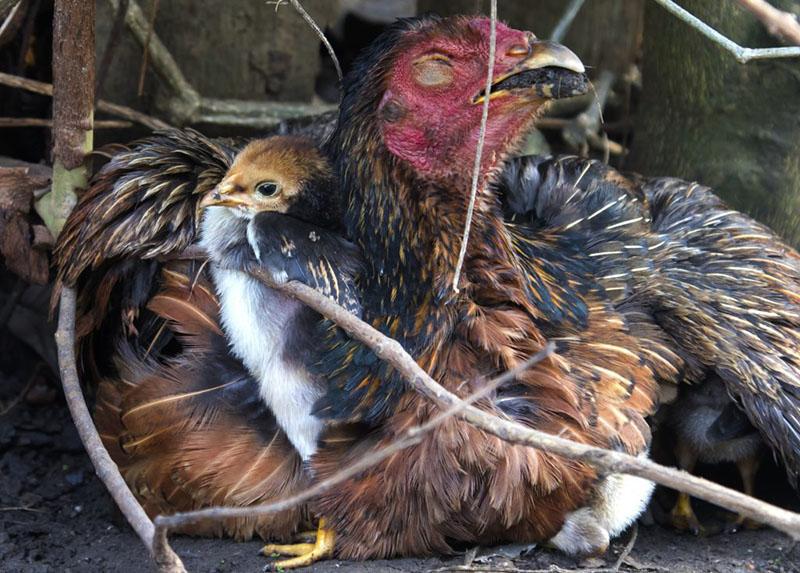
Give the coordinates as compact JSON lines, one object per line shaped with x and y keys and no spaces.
{"x":710,"y":427}
{"x":253,"y":217}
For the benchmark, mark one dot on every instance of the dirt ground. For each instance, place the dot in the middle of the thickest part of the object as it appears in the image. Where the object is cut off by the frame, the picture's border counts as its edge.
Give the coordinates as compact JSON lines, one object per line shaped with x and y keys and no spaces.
{"x":56,"y":516}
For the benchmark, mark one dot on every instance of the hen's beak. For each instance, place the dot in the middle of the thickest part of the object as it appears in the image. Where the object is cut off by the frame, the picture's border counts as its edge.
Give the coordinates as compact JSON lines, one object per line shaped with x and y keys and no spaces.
{"x":227,"y":194}
{"x":549,"y":70}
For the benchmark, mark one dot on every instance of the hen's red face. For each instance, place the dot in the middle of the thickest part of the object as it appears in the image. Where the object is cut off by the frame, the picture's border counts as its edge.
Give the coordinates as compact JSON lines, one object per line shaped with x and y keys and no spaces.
{"x":430,"y":113}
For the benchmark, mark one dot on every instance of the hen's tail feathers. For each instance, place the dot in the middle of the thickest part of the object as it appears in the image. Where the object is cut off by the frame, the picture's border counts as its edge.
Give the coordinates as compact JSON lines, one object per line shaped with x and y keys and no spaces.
{"x":142,"y":205}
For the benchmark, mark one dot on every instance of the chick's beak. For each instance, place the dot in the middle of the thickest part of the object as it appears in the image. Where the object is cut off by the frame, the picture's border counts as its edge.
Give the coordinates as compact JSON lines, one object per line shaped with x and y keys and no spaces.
{"x":548,"y":70}
{"x":227,"y":194}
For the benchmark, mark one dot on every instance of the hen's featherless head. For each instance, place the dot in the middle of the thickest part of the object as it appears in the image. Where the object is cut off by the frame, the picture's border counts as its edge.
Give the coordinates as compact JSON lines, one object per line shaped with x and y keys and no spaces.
{"x":420,"y":86}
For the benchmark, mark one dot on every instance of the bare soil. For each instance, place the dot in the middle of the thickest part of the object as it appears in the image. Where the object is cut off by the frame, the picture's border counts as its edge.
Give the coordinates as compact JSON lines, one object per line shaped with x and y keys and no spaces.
{"x":56,"y":516}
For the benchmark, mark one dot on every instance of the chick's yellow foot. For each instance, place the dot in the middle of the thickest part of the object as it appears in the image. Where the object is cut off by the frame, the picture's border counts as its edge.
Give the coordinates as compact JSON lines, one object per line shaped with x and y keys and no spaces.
{"x":683,"y":517}
{"x":305,"y":553}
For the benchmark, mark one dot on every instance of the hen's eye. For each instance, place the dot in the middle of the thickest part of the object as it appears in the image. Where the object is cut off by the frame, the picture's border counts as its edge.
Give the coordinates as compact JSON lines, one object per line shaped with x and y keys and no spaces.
{"x":433,"y":71}
{"x":267,"y":188}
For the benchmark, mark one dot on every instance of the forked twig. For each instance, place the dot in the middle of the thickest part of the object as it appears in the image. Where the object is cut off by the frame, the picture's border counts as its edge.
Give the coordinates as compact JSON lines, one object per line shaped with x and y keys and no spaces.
{"x":476,"y":170}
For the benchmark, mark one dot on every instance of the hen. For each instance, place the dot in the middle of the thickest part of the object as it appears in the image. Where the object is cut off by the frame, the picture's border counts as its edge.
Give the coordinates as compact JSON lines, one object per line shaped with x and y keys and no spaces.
{"x":610,"y":267}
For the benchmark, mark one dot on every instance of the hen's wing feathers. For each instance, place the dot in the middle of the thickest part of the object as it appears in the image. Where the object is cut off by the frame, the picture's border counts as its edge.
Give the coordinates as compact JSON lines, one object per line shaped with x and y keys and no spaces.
{"x":730,"y":290}
{"x":702,"y":287}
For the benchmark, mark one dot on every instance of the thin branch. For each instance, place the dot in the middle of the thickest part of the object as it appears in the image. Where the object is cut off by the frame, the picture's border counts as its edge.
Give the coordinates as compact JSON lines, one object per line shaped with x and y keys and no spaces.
{"x":310,"y":21}
{"x":43,"y":88}
{"x":187,"y":106}
{"x":391,"y":351}
{"x":40,"y":122}
{"x":186,"y":100}
{"x":476,"y":170}
{"x":782,"y":24}
{"x":146,"y":48}
{"x":743,"y":55}
{"x":105,"y":467}
{"x":606,"y":461}
{"x":563,"y":25}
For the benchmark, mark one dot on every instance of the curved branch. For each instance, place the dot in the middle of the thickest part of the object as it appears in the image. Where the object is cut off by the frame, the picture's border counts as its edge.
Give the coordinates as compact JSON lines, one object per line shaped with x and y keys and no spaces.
{"x":104,"y":466}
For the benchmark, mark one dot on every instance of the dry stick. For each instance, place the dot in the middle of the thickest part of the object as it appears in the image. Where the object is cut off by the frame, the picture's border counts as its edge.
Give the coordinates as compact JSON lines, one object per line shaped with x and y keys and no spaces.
{"x":146,"y":48}
{"x":105,"y":467}
{"x":187,"y":106}
{"x":102,"y":105}
{"x":563,"y":25}
{"x":413,"y":436}
{"x":476,"y":169}
{"x":310,"y":21}
{"x":40,"y":122}
{"x":606,"y":461}
{"x":778,"y":23}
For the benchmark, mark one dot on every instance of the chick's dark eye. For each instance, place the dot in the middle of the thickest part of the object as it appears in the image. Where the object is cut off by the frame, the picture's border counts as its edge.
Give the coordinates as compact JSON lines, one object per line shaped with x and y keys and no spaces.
{"x":267,"y":188}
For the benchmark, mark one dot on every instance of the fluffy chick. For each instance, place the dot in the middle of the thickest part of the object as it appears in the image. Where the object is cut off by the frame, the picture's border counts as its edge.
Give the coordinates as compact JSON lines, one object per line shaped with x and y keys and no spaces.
{"x":711,"y":428}
{"x":253,"y":217}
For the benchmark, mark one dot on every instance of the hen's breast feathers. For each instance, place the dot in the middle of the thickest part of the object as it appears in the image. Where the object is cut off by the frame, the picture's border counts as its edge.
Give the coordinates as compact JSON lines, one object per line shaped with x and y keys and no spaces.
{"x":702,"y":287}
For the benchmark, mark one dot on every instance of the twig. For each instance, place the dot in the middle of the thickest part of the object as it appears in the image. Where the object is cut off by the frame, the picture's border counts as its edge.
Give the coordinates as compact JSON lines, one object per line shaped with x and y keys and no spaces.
{"x":310,"y":21}
{"x":563,"y":25}
{"x":628,"y":547}
{"x":105,"y":467}
{"x":43,"y":88}
{"x":476,"y":170}
{"x":782,"y":24}
{"x":40,"y":122}
{"x":391,"y":351}
{"x":413,"y":436}
{"x":743,"y":55}
{"x":146,"y":48}
{"x":185,"y":101}
{"x":11,"y":21}
{"x":606,"y":461}
{"x":187,"y":106}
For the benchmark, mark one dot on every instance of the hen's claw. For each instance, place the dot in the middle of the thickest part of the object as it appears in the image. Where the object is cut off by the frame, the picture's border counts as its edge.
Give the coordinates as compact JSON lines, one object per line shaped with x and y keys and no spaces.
{"x":304,"y":553}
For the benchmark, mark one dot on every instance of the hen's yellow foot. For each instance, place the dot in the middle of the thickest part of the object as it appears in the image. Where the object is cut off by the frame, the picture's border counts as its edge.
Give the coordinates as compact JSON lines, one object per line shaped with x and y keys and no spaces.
{"x":305,"y":553}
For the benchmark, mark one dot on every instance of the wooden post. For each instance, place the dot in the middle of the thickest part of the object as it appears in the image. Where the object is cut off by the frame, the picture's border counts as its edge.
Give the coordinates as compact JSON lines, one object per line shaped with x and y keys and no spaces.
{"x":73,"y":107}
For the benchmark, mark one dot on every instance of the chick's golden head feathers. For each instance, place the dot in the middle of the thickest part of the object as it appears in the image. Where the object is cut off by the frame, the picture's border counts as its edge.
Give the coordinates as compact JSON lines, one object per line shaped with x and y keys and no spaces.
{"x":276,"y":175}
